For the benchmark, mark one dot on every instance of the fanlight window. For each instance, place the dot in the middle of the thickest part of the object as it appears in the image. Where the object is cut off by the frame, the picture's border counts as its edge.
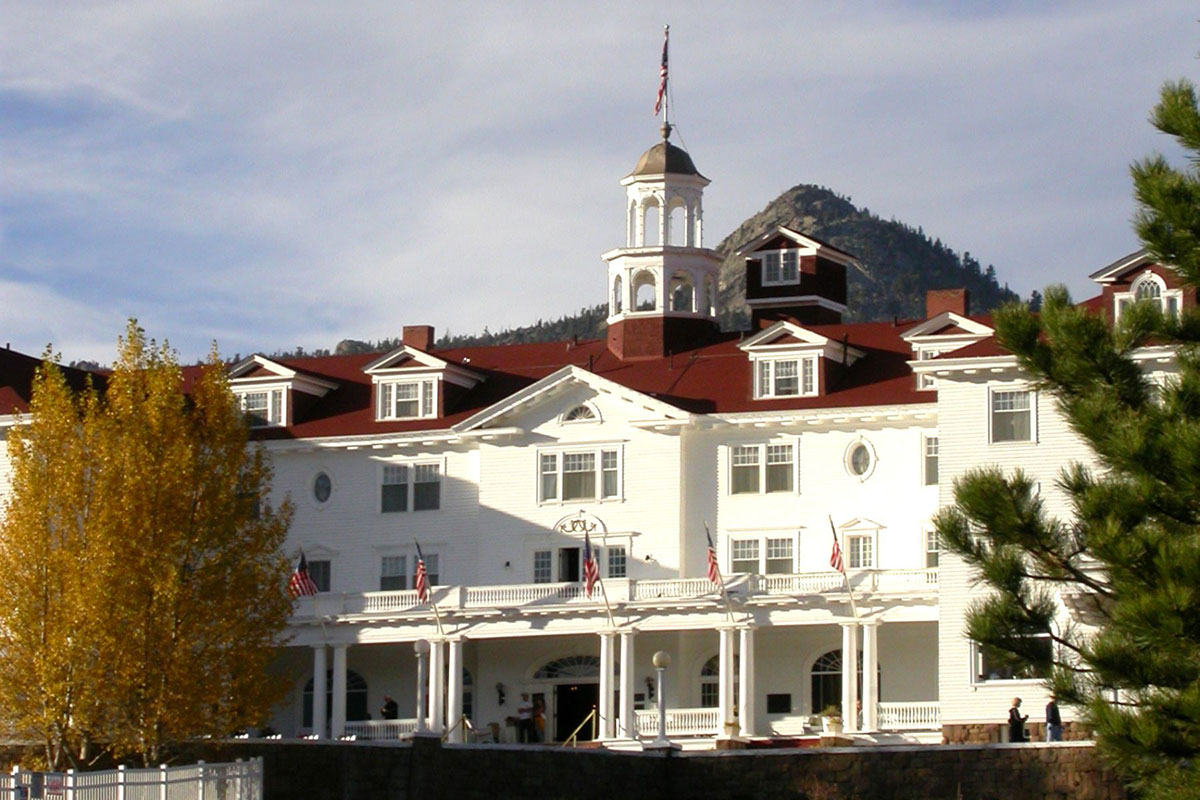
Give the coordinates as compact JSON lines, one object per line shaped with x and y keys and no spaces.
{"x":580,"y":414}
{"x":569,"y":667}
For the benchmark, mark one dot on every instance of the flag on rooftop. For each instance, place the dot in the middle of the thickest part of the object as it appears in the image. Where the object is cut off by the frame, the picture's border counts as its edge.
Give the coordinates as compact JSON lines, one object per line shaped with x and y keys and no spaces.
{"x":301,"y":583}
{"x":662,"y":73}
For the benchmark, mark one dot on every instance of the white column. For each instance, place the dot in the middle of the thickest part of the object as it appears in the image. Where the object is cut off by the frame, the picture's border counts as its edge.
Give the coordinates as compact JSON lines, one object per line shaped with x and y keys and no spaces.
{"x":870,"y":687}
{"x":725,"y":695}
{"x":437,"y":686}
{"x":454,"y":692}
{"x":421,"y":648}
{"x":628,"y":729}
{"x":337,"y":725}
{"x":746,"y":686}
{"x":607,"y":730}
{"x":319,"y":689}
{"x":850,"y":676}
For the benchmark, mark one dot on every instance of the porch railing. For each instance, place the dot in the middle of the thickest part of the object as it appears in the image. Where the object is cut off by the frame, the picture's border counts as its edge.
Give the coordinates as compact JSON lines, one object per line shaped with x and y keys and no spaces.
{"x":238,"y":780}
{"x":623,"y":590}
{"x":681,"y":722}
{"x":909,"y":716}
{"x":380,"y":730}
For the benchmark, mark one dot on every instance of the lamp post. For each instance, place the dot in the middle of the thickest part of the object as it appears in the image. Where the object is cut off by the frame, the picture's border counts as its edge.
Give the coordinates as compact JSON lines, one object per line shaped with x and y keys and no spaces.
{"x":661,"y":661}
{"x":421,"y":647}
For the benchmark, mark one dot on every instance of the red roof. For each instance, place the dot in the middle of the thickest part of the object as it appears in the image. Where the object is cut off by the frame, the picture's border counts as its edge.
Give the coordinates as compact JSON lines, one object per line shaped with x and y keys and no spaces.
{"x":16,"y":380}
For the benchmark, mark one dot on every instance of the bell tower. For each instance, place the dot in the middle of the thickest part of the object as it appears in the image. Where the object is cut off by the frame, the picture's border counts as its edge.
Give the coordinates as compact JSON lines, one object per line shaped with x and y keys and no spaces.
{"x":662,"y":285}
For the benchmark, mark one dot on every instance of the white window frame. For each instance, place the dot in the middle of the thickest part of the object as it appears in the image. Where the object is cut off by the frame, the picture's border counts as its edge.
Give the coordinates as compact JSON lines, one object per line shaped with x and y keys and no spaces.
{"x":780,"y":256}
{"x":1122,"y":300}
{"x":427,"y":398}
{"x":871,"y":539}
{"x":927,"y":381}
{"x":848,"y":457}
{"x":930,"y":442}
{"x":933,"y":547}
{"x":559,"y":455}
{"x":403,"y":573}
{"x":999,"y":389}
{"x":976,"y":667}
{"x":410,"y":467}
{"x":273,"y":393}
{"x":765,"y":371}
{"x":763,"y":450}
{"x":764,"y":541}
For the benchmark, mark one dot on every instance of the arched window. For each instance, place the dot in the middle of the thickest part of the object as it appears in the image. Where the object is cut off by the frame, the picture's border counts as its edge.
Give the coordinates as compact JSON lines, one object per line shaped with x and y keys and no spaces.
{"x":569,"y":668}
{"x":710,"y":297}
{"x":356,"y":698}
{"x":650,"y":223}
{"x":710,"y":681}
{"x":617,"y":299}
{"x":827,"y":680}
{"x":580,"y":413}
{"x":1148,"y":287}
{"x":645,"y":292}
{"x":682,"y":293}
{"x":677,"y":224}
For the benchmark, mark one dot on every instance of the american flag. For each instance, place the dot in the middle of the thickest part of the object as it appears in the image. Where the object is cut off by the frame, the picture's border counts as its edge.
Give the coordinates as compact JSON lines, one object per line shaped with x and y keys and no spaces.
{"x":301,"y":583}
{"x":835,"y":557}
{"x":714,"y":572}
{"x":662,"y":73}
{"x":591,"y":571}
{"x":421,"y":579}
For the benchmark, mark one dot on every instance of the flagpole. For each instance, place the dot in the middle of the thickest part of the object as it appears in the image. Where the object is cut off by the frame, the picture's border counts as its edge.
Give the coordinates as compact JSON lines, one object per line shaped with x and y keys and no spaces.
{"x":845,"y":577}
{"x":724,"y":591}
{"x":666,"y":78}
{"x":607,"y":607}
{"x":589,"y":554}
{"x":437,"y":618}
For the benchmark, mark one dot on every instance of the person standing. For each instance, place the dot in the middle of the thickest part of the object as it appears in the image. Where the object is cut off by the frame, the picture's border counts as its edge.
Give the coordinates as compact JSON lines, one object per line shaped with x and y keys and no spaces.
{"x":390,"y":709}
{"x":1016,"y":722}
{"x":1053,"y":721}
{"x":525,"y":733}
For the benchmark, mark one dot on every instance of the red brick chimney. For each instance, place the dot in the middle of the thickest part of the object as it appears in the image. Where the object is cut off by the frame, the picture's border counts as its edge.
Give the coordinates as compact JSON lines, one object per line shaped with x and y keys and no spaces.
{"x":419,"y":336}
{"x":937,"y":301}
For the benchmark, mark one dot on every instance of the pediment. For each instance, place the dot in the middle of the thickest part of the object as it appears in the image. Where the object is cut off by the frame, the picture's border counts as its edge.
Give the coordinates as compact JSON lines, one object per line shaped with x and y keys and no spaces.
{"x":784,"y":334}
{"x":947,"y":324}
{"x":259,"y":370}
{"x":781,"y":236}
{"x":405,"y":357}
{"x":860,"y":524}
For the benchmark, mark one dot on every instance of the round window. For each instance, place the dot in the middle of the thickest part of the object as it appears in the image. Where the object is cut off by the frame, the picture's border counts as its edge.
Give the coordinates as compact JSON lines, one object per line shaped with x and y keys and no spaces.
{"x":860,"y":460}
{"x":322,"y":487}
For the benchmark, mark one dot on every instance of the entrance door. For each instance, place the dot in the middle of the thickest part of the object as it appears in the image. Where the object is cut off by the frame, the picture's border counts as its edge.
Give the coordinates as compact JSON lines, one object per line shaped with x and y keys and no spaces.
{"x":572,"y":703}
{"x":568,"y":564}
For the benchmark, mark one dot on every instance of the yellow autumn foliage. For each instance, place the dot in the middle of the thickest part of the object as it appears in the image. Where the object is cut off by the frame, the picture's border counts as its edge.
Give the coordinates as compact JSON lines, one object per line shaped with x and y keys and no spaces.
{"x":142,"y":580}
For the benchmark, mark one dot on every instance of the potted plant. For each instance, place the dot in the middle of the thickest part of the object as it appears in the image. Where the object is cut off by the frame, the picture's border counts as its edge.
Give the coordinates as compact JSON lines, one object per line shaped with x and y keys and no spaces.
{"x":831,"y":720}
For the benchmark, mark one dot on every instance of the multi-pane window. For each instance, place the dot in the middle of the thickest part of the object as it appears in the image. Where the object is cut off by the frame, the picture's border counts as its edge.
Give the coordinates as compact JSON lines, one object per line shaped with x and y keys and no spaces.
{"x":780,"y":267}
{"x":406,"y":400}
{"x":780,"y":558}
{"x":1012,"y":416}
{"x":755,"y":468}
{"x":542,"y":565}
{"x":999,"y":665}
{"x":411,"y":486}
{"x":786,"y":377}
{"x":262,"y":407}
{"x":319,"y":572}
{"x":432,"y":572}
{"x":393,"y":573}
{"x":744,"y":555}
{"x":862,"y":551}
{"x":395,"y":488}
{"x":1152,"y":288}
{"x":582,"y":475}
{"x":616,"y":562}
{"x":931,"y":460}
{"x":932,"y":548}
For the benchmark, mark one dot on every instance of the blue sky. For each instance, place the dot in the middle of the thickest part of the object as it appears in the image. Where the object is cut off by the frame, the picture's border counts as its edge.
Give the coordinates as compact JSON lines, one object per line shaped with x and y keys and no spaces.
{"x":271,"y":175}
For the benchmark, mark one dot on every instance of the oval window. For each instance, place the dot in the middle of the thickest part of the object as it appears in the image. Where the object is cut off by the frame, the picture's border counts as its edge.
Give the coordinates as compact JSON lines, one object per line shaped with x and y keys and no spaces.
{"x":322,"y":487}
{"x":860,"y":460}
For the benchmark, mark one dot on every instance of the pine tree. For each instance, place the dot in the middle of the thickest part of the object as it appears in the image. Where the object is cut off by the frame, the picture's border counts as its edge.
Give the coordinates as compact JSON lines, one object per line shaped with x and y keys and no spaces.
{"x":1132,"y":549}
{"x":143,"y":590}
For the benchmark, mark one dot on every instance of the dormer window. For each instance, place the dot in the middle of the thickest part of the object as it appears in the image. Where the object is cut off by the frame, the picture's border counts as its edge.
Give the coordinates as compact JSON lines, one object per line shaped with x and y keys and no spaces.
{"x":1149,"y":286}
{"x":786,"y":377}
{"x":406,"y":399}
{"x":262,"y":407}
{"x":780,"y":267}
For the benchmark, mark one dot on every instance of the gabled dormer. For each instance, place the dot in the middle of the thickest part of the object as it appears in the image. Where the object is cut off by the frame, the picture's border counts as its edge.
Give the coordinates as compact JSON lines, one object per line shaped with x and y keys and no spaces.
{"x":788,"y":360}
{"x":1138,"y":276}
{"x":946,"y":329}
{"x":790,"y":275}
{"x":409,"y":383}
{"x":270,"y":393}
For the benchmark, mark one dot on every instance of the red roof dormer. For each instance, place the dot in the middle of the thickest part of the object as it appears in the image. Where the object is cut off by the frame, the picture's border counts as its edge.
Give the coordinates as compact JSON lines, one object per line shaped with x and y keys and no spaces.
{"x":790,"y":275}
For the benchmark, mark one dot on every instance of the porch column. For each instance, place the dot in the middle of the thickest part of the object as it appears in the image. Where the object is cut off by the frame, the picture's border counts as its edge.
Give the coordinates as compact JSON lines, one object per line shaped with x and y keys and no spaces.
{"x":870,"y":687}
{"x":628,"y":729}
{"x":850,"y":676}
{"x":337,"y":723}
{"x":437,"y":686}
{"x":319,"y":689}
{"x":454,"y":692}
{"x":605,"y":710}
{"x":725,"y":685}
{"x":746,"y":686}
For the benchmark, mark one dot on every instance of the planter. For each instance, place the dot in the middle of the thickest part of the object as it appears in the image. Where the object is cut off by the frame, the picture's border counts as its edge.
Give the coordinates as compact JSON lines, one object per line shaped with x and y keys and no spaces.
{"x":831,"y":725}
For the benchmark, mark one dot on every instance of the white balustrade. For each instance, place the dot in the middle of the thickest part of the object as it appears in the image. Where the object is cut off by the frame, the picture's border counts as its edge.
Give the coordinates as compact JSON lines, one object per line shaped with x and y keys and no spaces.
{"x":679,"y":588}
{"x":909,"y":716}
{"x":806,"y":583}
{"x":681,"y":722}
{"x":381,"y":730}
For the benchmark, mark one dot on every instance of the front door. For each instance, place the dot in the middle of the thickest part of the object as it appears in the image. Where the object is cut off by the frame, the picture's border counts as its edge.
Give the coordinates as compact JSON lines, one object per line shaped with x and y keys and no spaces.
{"x":572,"y":703}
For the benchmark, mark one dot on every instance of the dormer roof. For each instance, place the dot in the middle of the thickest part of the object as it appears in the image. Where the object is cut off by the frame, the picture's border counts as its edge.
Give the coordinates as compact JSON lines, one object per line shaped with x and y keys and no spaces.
{"x":809,"y":245}
{"x":257,"y":369}
{"x":1117,"y":269}
{"x":948,"y":325}
{"x":406,"y":359}
{"x":788,"y":337}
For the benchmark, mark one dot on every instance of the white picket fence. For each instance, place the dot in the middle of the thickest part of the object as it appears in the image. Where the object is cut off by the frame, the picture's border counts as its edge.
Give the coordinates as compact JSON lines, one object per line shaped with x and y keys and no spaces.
{"x":239,"y":780}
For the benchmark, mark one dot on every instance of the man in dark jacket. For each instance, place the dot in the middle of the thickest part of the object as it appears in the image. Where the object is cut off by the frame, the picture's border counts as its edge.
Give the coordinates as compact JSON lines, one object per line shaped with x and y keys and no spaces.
{"x":1053,"y":721}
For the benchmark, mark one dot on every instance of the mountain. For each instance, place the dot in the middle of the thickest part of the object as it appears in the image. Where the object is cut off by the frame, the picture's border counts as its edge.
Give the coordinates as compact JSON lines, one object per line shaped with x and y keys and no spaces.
{"x":899,"y":263}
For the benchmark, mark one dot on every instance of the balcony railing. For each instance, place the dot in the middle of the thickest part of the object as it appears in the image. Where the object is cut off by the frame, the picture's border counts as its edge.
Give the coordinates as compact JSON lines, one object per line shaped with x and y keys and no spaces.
{"x":532,"y":596}
{"x":381,"y":730}
{"x":909,"y":716}
{"x":681,"y":722}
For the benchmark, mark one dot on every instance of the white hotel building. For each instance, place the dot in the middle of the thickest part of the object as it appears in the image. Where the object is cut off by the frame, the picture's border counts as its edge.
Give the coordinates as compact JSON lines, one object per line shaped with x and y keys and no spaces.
{"x":497,"y":459}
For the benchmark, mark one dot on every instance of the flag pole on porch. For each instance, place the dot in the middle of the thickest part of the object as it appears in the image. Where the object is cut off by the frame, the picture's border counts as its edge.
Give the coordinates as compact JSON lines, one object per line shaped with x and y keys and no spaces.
{"x":714,"y":571}
{"x":591,"y":576}
{"x":837,"y":562}
{"x":421,"y":584}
